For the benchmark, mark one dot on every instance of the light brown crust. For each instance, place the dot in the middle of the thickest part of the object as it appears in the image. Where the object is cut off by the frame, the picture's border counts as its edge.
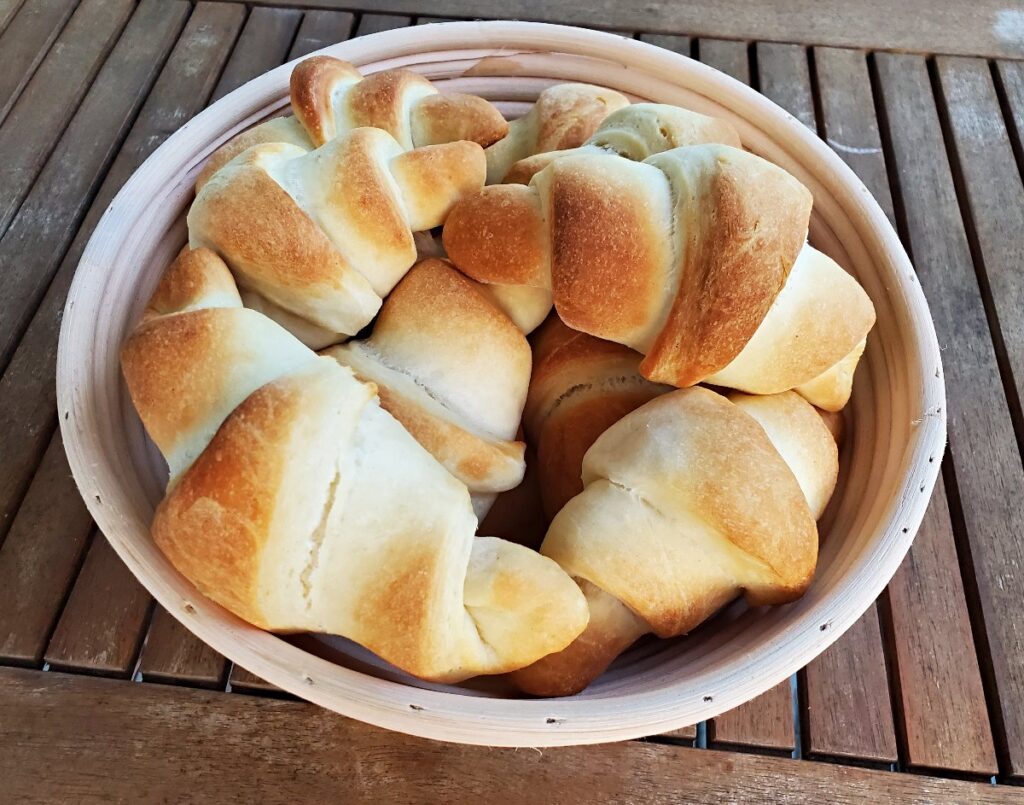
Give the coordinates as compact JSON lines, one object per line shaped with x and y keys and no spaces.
{"x":378,"y":101}
{"x":752,"y":224}
{"x":435,"y":177}
{"x":451,"y":116}
{"x":195,"y":277}
{"x":569,"y":113}
{"x":498,"y":236}
{"x":313,"y":82}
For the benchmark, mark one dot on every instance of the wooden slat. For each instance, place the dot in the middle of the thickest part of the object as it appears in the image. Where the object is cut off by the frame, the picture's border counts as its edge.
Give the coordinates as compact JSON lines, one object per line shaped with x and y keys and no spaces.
{"x":101,"y":626}
{"x":54,"y":206}
{"x":849,"y":712}
{"x":243,"y":681}
{"x":51,"y":96}
{"x":39,"y":559}
{"x":989,"y":475}
{"x":429,"y":20}
{"x":677,"y":44}
{"x":70,"y":738}
{"x":983,"y":27}
{"x":28,"y":387}
{"x":320,"y":29}
{"x":263,"y":45}
{"x":1011,"y":77}
{"x":173,"y":654}
{"x":375,"y":23}
{"x":941,"y":695}
{"x":762,"y":723}
{"x":8,"y":8}
{"x":732,"y":58}
{"x":25,"y":42}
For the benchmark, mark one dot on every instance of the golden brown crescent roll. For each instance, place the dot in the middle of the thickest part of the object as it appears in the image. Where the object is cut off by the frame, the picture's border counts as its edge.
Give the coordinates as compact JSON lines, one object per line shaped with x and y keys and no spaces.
{"x":636,"y":132}
{"x":689,"y":501}
{"x":689,"y":257}
{"x":454,"y":370}
{"x":330,"y":97}
{"x":299,"y":503}
{"x":580,"y":386}
{"x":563,"y":116}
{"x":319,"y":238}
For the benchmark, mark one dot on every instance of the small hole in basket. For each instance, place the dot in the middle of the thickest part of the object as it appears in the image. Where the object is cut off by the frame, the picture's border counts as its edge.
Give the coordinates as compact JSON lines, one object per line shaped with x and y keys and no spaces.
{"x":415,"y":707}
{"x":823,"y":627}
{"x":709,"y":698}
{"x":307,"y":679}
{"x":98,"y":499}
{"x":187,"y":606}
{"x":906,"y":530}
{"x":552,"y":720}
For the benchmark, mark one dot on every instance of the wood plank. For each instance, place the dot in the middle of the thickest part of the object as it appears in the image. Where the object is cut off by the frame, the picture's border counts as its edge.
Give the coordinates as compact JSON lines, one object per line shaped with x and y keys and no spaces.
{"x":982,"y":444}
{"x":731,"y":58}
{"x":40,"y":558}
{"x":25,"y":42}
{"x":763,"y":723}
{"x":429,"y":20}
{"x":55,"y":204}
{"x":74,"y":738}
{"x":848,"y":711}
{"x":243,"y":681}
{"x":8,"y":8}
{"x":320,"y":29}
{"x":173,"y":654}
{"x":51,"y":96}
{"x":263,"y":45}
{"x":677,"y":44}
{"x":101,"y":627}
{"x":375,"y":23}
{"x":942,"y":699}
{"x":28,"y":387}
{"x":1011,"y":80}
{"x":784,"y":76}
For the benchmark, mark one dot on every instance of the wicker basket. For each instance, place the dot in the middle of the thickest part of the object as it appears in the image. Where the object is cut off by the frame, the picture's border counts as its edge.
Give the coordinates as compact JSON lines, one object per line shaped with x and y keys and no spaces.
{"x":890,"y":463}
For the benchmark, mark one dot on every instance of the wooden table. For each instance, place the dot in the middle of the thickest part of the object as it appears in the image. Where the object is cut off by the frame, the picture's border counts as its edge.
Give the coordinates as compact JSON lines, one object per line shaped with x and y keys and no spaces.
{"x":104,"y":696}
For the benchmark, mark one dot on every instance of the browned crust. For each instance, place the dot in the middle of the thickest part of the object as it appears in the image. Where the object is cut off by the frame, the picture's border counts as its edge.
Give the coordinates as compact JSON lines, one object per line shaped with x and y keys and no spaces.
{"x":194,"y":275}
{"x":451,"y":116}
{"x":377,"y":101}
{"x":214,"y":523}
{"x":435,"y":177}
{"x":312,"y":84}
{"x":498,"y":236}
{"x":752,"y":224}
{"x":568,"y":114}
{"x":525,"y":169}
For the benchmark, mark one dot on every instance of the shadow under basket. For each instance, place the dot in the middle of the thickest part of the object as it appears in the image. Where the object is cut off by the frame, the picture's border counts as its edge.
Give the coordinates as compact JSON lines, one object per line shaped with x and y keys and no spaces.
{"x":896,"y":417}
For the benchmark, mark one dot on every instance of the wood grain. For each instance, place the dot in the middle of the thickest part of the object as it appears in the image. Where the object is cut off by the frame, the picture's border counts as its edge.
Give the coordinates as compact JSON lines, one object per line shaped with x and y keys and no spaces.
{"x":60,"y":195}
{"x":941,"y":696}
{"x":320,"y":29}
{"x":8,"y":8}
{"x":989,"y":475}
{"x":983,"y":28}
{"x":102,"y":624}
{"x":25,"y":42}
{"x":677,"y":44}
{"x":74,"y":738}
{"x":173,"y":654}
{"x":28,"y":387}
{"x":849,"y":707}
{"x":243,"y":681}
{"x":732,"y":58}
{"x":50,"y":98}
{"x":375,"y":23}
{"x":784,"y":76}
{"x":263,"y":45}
{"x":763,"y":723}
{"x":40,"y":558}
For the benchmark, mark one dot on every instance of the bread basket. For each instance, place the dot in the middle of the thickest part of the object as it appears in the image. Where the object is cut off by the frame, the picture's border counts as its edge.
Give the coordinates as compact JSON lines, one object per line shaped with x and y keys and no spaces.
{"x":890,"y":463}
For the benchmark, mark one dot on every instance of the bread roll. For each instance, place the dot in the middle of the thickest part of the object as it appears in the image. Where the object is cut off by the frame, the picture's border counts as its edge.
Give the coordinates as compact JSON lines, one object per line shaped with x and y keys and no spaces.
{"x":298,"y":503}
{"x":689,"y":501}
{"x":330,"y":97}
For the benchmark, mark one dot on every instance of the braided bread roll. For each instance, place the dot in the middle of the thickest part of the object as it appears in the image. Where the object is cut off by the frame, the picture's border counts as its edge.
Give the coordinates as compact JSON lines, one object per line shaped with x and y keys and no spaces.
{"x":636,"y":132}
{"x":454,"y":370}
{"x":563,"y":116}
{"x":317,"y":239}
{"x":330,"y":97}
{"x":690,"y":500}
{"x":695,"y":257}
{"x":298,"y":503}
{"x":580,"y":387}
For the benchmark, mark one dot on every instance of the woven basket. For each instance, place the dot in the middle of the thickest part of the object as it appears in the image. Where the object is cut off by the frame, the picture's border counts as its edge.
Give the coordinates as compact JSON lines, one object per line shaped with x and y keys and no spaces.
{"x":890,"y":463}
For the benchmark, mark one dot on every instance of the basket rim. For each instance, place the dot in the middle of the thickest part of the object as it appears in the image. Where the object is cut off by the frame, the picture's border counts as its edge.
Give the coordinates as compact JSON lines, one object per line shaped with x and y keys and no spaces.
{"x":523,"y":722}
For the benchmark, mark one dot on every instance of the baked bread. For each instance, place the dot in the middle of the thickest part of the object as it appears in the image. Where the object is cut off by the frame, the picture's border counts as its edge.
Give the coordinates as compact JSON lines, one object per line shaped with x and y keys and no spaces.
{"x":321,"y":237}
{"x":330,"y":97}
{"x":681,"y":257}
{"x":636,"y":132}
{"x":298,"y":503}
{"x":580,"y":387}
{"x":690,"y":500}
{"x":454,"y":370}
{"x":564,"y":116}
